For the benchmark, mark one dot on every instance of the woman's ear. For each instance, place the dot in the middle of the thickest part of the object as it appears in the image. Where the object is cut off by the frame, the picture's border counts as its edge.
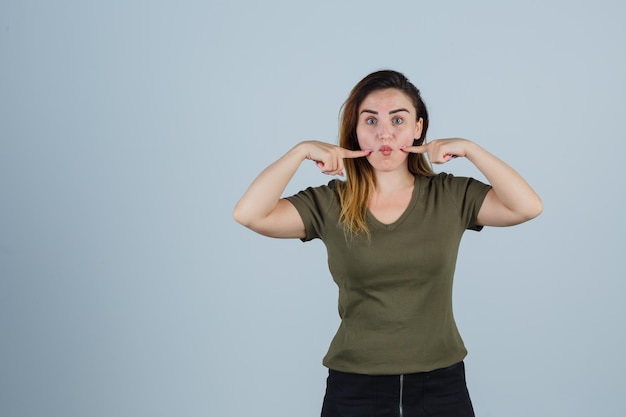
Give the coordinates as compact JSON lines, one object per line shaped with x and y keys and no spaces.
{"x":418,"y":128}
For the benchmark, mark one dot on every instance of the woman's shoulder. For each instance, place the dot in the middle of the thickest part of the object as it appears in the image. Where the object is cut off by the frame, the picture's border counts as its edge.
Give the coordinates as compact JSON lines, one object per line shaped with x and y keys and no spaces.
{"x":332,"y":186}
{"x":451,"y":183}
{"x":329,"y":191}
{"x":440,"y":178}
{"x":444,"y":177}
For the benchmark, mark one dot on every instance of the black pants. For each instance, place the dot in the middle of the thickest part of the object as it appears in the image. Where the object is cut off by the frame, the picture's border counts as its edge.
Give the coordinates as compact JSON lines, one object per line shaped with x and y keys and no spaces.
{"x":439,"y":393}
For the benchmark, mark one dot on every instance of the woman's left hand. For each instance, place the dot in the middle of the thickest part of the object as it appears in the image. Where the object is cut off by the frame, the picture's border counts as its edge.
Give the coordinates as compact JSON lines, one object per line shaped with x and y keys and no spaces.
{"x":441,"y":150}
{"x":510,"y":201}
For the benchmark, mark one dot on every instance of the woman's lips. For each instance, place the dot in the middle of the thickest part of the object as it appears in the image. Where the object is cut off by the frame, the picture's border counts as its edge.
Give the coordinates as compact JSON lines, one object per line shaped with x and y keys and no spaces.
{"x":385,"y":150}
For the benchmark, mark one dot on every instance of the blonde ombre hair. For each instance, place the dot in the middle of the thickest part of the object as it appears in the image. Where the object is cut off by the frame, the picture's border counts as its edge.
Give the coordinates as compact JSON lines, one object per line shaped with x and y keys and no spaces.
{"x":355,"y":192}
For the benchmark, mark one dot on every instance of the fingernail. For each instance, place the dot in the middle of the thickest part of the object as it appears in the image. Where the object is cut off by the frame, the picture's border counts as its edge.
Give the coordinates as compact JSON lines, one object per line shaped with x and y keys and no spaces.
{"x":402,"y":147}
{"x":369,"y":150}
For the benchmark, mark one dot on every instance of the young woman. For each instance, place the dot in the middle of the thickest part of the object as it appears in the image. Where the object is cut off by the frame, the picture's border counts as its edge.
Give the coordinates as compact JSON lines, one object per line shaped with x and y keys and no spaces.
{"x":392,"y":230}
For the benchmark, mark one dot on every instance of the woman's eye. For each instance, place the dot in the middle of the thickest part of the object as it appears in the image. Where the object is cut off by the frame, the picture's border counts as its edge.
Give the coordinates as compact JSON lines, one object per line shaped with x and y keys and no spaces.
{"x":397,"y":120}
{"x":370,"y":121}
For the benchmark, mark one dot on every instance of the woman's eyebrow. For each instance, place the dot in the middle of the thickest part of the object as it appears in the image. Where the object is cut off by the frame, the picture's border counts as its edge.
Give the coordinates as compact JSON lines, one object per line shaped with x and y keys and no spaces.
{"x":391,"y":112}
{"x":398,"y":110}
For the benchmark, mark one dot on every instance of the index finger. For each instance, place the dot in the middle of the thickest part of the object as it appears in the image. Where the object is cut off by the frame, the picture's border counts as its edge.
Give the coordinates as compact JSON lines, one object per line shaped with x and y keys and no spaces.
{"x":349,"y":154}
{"x":416,"y":148}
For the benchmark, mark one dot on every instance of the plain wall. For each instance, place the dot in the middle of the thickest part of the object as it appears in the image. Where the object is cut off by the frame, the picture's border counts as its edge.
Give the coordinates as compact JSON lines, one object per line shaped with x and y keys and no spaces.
{"x":129,"y":129}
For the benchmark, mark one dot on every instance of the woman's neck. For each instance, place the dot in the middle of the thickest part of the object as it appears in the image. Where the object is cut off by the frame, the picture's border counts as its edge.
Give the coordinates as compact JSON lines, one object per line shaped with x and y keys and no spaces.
{"x":391,"y":182}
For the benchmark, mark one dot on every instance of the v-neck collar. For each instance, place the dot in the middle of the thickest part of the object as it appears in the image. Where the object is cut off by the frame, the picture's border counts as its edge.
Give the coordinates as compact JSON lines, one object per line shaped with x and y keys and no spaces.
{"x":409,"y":208}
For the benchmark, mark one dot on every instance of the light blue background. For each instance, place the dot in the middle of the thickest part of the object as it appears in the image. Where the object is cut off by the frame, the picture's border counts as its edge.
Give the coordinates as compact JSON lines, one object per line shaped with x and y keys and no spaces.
{"x":129,"y":129}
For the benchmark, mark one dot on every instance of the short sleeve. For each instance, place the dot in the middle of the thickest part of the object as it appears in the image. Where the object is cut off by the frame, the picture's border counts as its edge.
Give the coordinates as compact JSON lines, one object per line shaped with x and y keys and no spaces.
{"x":318,"y":207}
{"x":468,"y":195}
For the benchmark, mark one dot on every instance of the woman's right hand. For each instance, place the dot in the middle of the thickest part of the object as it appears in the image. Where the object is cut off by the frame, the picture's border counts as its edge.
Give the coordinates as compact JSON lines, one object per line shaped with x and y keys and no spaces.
{"x":329,"y":158}
{"x":262,"y":209}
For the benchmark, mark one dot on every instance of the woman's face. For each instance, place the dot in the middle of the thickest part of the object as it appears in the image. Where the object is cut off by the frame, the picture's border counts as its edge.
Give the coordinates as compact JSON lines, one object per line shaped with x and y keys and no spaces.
{"x":387,"y":121}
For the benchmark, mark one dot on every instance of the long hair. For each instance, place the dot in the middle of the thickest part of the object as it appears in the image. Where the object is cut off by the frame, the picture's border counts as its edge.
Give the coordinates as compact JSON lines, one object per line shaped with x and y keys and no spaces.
{"x":355,"y":192}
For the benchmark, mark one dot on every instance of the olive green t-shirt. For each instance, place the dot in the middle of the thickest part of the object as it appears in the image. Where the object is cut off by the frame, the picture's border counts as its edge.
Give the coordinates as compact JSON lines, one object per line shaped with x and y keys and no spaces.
{"x":395,"y":287}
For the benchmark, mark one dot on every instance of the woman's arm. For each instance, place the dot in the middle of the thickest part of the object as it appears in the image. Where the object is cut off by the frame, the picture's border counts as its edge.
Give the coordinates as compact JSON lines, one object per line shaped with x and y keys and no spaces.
{"x":262,"y":209}
{"x":511,"y":200}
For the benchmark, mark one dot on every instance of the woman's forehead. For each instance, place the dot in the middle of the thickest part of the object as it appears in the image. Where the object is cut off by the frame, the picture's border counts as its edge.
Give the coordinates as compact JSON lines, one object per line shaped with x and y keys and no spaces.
{"x":387,"y":98}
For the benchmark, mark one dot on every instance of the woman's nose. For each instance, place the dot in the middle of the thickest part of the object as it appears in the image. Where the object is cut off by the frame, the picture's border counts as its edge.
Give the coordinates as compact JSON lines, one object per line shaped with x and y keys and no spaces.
{"x":384,"y":132}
